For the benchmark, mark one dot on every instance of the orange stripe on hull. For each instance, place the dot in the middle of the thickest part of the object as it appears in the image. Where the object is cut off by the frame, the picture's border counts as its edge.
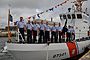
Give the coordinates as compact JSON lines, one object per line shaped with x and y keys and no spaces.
{"x":72,"y":48}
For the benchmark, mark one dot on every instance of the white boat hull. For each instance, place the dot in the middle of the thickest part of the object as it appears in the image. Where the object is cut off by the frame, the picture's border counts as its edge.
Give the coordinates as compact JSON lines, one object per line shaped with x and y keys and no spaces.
{"x":55,"y":51}
{"x":29,"y":55}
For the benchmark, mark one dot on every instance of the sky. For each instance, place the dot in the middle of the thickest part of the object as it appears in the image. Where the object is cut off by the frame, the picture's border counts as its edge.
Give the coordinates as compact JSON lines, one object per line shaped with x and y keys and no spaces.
{"x":28,"y":8}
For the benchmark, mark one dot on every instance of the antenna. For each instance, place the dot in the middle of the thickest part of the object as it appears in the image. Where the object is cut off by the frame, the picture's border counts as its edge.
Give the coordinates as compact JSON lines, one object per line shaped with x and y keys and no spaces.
{"x":69,"y":9}
{"x":78,"y":4}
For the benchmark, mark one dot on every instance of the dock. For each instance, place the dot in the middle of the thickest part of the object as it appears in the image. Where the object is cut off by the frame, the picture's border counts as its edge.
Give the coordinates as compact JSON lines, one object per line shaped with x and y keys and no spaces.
{"x":86,"y":56}
{"x":5,"y":33}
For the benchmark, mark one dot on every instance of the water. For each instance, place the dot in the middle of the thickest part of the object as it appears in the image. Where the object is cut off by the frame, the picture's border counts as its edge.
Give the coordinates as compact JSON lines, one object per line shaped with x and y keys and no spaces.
{"x":6,"y":56}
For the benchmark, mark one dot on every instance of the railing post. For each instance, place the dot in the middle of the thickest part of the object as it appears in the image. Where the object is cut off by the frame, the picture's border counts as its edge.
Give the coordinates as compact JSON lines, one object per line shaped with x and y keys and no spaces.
{"x":79,"y":34}
{"x":47,"y":54}
{"x":65,"y":36}
{"x":18,"y":35}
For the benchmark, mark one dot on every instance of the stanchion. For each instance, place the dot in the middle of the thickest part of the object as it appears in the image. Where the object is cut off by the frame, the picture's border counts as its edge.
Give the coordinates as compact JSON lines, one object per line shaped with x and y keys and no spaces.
{"x":48,"y":43}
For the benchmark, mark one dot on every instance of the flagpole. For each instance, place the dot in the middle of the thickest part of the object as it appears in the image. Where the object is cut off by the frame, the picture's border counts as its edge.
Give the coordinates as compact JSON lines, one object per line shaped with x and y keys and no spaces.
{"x":0,"y":25}
{"x":9,"y":38}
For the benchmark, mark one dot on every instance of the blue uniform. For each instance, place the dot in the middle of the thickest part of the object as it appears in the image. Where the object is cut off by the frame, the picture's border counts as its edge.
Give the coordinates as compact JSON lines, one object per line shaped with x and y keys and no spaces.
{"x":35,"y":28}
{"x":47,"y":33}
{"x":42,"y":26}
{"x":29,"y":27}
{"x":53,"y":34}
{"x":54,"y":29}
{"x":70,"y":34}
{"x":47,"y":28}
{"x":41,"y":34}
{"x":59,"y":29}
{"x":21,"y":25}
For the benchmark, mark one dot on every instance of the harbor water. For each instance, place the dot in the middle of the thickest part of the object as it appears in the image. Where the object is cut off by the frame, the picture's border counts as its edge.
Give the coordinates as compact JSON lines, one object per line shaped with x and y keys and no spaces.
{"x":5,"y":56}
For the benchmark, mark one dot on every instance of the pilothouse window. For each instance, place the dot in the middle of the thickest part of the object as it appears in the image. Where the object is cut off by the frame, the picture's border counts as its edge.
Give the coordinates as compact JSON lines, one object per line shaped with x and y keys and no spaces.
{"x":79,"y":16}
{"x":69,"y":16}
{"x":64,"y":16}
{"x":60,"y":16}
{"x":73,"y":16}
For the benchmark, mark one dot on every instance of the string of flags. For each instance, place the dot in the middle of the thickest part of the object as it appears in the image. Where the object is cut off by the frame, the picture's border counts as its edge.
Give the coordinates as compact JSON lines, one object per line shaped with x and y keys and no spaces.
{"x":51,"y":9}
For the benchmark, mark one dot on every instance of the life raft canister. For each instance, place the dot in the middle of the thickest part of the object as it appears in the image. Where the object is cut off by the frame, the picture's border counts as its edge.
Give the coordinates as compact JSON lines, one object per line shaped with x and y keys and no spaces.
{"x":72,"y":49}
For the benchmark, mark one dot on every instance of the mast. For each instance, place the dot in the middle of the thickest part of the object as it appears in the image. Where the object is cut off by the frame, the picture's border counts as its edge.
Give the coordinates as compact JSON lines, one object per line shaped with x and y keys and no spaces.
{"x":78,"y":4}
{"x":0,"y":25}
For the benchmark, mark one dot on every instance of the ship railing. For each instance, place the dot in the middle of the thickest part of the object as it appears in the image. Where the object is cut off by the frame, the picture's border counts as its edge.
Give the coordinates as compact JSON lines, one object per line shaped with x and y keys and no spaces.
{"x":75,"y":37}
{"x":82,"y":37}
{"x":63,"y":37}
{"x":18,"y":35}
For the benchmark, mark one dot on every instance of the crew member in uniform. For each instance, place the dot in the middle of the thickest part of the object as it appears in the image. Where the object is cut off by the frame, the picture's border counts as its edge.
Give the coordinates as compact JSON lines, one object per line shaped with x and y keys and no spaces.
{"x":59,"y":29}
{"x":29,"y":31}
{"x":35,"y":29}
{"x":64,"y":32}
{"x":73,"y":32}
{"x":53,"y":34}
{"x":21,"y":25}
{"x":47,"y":33}
{"x":69,"y":34}
{"x":41,"y":34}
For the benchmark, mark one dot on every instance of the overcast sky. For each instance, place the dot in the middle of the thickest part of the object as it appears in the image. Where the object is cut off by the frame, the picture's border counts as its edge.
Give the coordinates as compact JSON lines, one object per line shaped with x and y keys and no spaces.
{"x":27,"y":8}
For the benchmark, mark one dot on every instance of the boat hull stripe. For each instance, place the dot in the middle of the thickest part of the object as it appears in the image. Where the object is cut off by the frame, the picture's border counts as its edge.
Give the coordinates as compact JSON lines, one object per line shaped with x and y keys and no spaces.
{"x":72,"y":48}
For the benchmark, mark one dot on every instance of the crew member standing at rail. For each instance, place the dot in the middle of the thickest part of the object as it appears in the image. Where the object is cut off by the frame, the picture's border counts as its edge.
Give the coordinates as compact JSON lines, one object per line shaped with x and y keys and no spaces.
{"x":29,"y":31}
{"x":41,"y":34}
{"x":47,"y":32}
{"x":64,"y":33}
{"x":59,"y":29}
{"x":35,"y":29}
{"x":69,"y":33}
{"x":53,"y":33}
{"x":21,"y":25}
{"x":72,"y":33}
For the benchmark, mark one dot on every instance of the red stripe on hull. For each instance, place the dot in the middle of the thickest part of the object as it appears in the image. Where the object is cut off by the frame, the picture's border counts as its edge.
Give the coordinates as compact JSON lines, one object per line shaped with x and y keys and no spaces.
{"x":72,"y":48}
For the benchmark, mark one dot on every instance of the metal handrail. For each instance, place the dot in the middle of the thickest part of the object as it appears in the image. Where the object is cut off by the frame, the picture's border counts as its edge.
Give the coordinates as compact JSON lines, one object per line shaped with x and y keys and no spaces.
{"x":19,"y":34}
